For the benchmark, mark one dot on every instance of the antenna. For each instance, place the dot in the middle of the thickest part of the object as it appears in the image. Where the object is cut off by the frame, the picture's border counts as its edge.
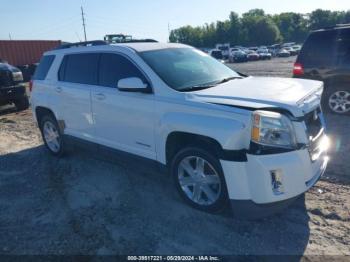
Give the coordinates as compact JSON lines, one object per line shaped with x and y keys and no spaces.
{"x":83,"y":18}
{"x":10,"y":36}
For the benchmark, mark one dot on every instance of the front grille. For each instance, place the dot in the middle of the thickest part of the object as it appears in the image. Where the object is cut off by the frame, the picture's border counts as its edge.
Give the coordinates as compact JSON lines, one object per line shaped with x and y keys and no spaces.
{"x":313,"y":123}
{"x":5,"y":78}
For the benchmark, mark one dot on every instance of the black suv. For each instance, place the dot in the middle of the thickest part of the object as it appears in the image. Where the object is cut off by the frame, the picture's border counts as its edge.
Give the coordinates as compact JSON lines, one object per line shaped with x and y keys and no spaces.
{"x":12,"y":89}
{"x":325,"y":56}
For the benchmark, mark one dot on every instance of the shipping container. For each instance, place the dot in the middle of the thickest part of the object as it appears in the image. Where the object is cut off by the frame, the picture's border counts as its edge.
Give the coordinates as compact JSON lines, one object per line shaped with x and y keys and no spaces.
{"x":25,"y":52}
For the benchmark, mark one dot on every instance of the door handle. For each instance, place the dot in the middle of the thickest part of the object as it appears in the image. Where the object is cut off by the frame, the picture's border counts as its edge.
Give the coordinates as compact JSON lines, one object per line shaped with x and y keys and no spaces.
{"x":58,"y":89}
{"x":100,"y":96}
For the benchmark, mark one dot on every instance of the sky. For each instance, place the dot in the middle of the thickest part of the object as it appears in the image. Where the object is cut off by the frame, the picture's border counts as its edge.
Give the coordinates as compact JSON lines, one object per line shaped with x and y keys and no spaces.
{"x":61,"y":19}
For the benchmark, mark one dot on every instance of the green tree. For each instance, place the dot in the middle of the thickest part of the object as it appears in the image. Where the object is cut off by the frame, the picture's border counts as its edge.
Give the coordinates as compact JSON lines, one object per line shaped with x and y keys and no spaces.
{"x":324,"y":18}
{"x":292,"y":26}
{"x":259,"y":29}
{"x":234,"y":29}
{"x":222,"y":32}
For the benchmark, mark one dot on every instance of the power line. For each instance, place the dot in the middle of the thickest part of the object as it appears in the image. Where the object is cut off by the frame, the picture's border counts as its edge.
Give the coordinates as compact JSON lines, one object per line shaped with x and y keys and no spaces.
{"x":83,"y":18}
{"x":77,"y":36}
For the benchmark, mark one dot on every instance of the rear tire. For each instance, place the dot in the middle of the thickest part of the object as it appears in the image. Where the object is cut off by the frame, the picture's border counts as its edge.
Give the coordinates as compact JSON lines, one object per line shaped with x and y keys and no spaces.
{"x":337,"y":100}
{"x":199,"y":178}
{"x":52,"y":135}
{"x":22,"y":103}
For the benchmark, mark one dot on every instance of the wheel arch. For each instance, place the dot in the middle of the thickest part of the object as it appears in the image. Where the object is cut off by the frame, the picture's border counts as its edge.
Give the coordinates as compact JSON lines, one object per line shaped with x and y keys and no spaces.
{"x":177,"y":140}
{"x":41,"y":111}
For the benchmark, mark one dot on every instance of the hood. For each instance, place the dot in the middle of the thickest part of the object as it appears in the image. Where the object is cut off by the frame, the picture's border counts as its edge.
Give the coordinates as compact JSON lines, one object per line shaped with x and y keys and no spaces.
{"x":298,"y":96}
{"x":8,"y":67}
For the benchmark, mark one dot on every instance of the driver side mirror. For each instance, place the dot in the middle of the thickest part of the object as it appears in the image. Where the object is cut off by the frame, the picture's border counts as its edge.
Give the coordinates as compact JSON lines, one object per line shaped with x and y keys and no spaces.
{"x":133,"y":84}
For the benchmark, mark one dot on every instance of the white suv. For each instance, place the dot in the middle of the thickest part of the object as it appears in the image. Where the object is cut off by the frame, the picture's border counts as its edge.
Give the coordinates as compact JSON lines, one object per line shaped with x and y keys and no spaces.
{"x":254,"y":142}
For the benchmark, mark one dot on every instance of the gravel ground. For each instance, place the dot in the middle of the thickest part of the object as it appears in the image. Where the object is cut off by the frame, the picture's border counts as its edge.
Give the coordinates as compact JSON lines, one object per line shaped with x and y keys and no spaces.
{"x":84,"y":204}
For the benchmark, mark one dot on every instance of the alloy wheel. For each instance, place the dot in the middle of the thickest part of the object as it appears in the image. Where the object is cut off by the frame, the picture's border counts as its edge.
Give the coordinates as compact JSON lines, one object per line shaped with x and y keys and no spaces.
{"x":51,"y":136}
{"x":199,"y":180}
{"x":339,"y":102}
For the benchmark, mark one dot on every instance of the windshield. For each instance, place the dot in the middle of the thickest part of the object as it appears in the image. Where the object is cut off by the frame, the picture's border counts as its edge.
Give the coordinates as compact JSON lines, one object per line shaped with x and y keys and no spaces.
{"x":183,"y":68}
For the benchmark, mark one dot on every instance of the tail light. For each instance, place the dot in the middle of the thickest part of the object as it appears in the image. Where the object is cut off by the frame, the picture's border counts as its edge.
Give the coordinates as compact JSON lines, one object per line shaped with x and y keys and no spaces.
{"x":30,"y":85}
{"x":298,"y":69}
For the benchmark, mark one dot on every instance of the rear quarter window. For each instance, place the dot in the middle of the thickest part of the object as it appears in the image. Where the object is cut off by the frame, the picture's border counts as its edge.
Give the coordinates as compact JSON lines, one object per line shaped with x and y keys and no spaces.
{"x":43,"y":67}
{"x":319,"y":49}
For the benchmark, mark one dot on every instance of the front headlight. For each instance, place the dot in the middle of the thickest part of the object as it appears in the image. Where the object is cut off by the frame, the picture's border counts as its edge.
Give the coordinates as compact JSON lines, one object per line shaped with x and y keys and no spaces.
{"x":272,"y":129}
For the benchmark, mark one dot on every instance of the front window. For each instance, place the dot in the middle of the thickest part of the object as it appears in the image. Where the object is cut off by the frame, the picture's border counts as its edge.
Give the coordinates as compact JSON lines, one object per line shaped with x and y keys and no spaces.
{"x":187,"y":69}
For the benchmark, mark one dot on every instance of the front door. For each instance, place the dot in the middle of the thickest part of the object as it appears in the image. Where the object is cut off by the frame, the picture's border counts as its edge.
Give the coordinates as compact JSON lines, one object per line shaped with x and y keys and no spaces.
{"x":123,"y":120}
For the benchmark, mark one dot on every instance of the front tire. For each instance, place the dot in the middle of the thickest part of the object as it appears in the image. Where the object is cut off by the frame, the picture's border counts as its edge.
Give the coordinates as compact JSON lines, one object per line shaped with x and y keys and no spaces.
{"x":199,"y":178}
{"x":51,"y":135}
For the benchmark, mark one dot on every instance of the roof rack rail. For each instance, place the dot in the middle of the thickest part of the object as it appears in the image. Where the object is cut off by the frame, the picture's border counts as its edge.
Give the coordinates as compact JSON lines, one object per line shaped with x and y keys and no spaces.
{"x":341,"y":25}
{"x":80,"y":44}
{"x":137,"y":41}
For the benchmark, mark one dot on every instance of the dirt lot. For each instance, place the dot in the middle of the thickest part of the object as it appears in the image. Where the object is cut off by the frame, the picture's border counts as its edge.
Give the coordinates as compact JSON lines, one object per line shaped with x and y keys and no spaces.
{"x":83,"y":204}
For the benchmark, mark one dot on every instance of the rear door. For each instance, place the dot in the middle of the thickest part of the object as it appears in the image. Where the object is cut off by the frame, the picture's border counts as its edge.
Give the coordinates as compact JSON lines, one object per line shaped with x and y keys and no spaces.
{"x":77,"y":74}
{"x":318,"y":55}
{"x":342,"y":72}
{"x":123,"y":120}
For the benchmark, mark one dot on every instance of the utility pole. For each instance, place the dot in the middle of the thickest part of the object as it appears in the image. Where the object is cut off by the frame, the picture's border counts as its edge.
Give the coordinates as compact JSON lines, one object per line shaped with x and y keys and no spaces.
{"x":169,"y":32}
{"x":83,"y":18}
{"x":10,"y":36}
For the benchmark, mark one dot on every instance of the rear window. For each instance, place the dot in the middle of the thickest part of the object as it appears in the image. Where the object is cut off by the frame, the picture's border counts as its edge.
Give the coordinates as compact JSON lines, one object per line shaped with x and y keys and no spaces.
{"x":79,"y":68}
{"x":44,"y":67}
{"x":319,"y":49}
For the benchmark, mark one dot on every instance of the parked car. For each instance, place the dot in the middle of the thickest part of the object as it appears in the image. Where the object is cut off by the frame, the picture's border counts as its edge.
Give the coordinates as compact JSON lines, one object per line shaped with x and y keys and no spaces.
{"x":325,"y":56}
{"x":224,"y":137}
{"x":297,"y":48}
{"x":12,"y":90}
{"x":264,"y":54}
{"x":253,"y":48}
{"x":238,"y":56}
{"x":217,"y":54}
{"x":252,"y":55}
{"x":287,"y":44}
{"x":234,"y":49}
{"x":283,"y":53}
{"x":274,"y":49}
{"x":291,"y":51}
{"x":225,"y":50}
{"x":27,"y":71}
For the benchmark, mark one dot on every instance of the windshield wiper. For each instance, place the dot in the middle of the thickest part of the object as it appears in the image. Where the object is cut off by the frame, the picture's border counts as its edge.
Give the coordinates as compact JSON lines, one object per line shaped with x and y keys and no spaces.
{"x":227,"y":79}
{"x":196,"y":87}
{"x":208,"y":85}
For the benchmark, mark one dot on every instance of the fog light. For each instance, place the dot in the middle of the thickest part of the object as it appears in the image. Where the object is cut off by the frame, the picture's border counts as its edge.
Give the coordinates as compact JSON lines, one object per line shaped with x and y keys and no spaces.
{"x":277,"y":182}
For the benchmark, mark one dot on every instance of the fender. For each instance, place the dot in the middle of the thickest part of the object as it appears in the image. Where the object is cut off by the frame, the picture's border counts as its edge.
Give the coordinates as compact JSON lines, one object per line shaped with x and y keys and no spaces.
{"x":41,"y":99}
{"x":228,"y":132}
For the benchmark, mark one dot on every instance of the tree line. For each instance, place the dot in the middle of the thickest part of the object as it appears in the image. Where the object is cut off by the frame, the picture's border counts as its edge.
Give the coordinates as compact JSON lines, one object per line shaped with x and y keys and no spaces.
{"x":258,"y":28}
